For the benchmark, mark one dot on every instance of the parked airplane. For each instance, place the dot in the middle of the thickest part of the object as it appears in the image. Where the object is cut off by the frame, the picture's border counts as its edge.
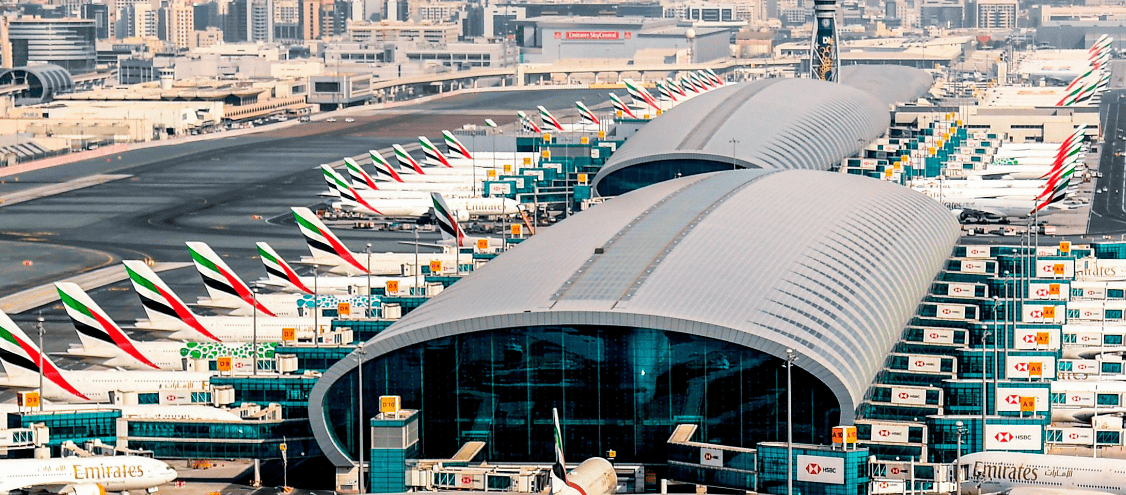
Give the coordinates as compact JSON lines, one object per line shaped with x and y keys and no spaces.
{"x":548,"y":120}
{"x":391,"y":180}
{"x":640,"y":95}
{"x":22,"y":361}
{"x":282,"y":277}
{"x":445,"y":173}
{"x":595,"y":476}
{"x":620,"y":106}
{"x":84,"y":475}
{"x":415,"y":205}
{"x":228,"y":294}
{"x":1014,"y":473}
{"x":527,"y":124}
{"x":103,"y":343}
{"x":334,"y":257}
{"x":171,"y":318}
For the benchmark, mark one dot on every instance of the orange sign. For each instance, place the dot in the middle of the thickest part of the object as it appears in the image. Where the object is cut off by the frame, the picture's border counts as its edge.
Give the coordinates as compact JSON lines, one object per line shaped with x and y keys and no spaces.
{"x":1054,"y":289}
{"x":289,"y":334}
{"x":1058,"y":269}
{"x":1049,"y":312}
{"x":389,"y":403}
{"x":1043,"y":338}
{"x":517,"y":229}
{"x":492,"y":174}
{"x":482,"y":244}
{"x":1065,"y":247}
{"x":508,"y":167}
{"x":1035,"y":369}
{"x":225,"y":363}
{"x":344,"y":308}
{"x":1027,"y":404}
{"x":27,"y":399}
{"x":435,"y":266}
{"x":392,"y":286}
{"x":844,"y":434}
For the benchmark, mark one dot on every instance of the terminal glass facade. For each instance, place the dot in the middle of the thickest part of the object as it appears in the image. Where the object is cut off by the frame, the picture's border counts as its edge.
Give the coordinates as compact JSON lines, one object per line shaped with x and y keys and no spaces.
{"x":638,"y":176}
{"x":621,"y":389}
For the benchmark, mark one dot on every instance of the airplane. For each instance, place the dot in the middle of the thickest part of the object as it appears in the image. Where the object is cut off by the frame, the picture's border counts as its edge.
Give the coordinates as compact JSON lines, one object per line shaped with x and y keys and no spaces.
{"x":587,"y":116}
{"x":335,"y":258}
{"x":640,"y":95}
{"x":548,"y":120}
{"x":391,"y":180}
{"x":171,"y":318}
{"x":1092,"y":82}
{"x":527,"y":124}
{"x":1014,"y":473}
{"x":454,"y":146}
{"x":620,"y":106}
{"x":415,"y":205}
{"x":228,"y":294}
{"x":595,"y":476}
{"x":665,"y":93}
{"x":22,"y":359}
{"x":84,"y":475}
{"x":282,"y":277}
{"x":102,"y":342}
{"x":444,"y":173}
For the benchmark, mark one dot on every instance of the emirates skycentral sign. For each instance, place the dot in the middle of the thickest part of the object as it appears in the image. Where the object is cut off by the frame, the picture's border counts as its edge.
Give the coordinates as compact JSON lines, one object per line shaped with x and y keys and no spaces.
{"x":595,"y":35}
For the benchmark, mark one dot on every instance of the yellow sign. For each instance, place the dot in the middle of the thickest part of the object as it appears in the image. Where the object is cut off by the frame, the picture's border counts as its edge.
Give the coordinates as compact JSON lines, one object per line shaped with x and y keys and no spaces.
{"x":392,"y":286}
{"x":390,"y":404}
{"x":492,"y":174}
{"x":27,"y":399}
{"x":435,"y":266}
{"x":1027,"y":404}
{"x":289,"y":334}
{"x":582,"y":178}
{"x":527,"y":161}
{"x":508,"y":168}
{"x":283,"y":447}
{"x":658,"y":111}
{"x":844,"y":434}
{"x":1054,"y":289}
{"x":344,"y":308}
{"x":545,"y":154}
{"x":225,"y":363}
{"x":1058,"y":269}
{"x":1043,"y":338}
{"x":1050,"y":312}
{"x":1065,"y":247}
{"x":1035,"y":369}
{"x":584,"y":140}
{"x":618,"y":113}
{"x":888,"y":172}
{"x":547,"y":137}
{"x":517,"y":229}
{"x":602,"y":134}
{"x":482,"y":244}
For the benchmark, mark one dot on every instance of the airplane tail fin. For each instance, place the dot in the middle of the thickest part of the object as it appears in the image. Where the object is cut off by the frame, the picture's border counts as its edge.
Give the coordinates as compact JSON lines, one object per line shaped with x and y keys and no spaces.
{"x":21,"y":358}
{"x":333,"y":187}
{"x":528,"y":124}
{"x":715,"y":77}
{"x":383,"y":167}
{"x":587,"y":115}
{"x":548,"y":119}
{"x":491,"y":123}
{"x":93,"y":324}
{"x":325,"y":247}
{"x":447,"y":221}
{"x":358,"y":175}
{"x":222,"y":282}
{"x":639,"y":93}
{"x":158,"y":299}
{"x":559,"y":469}
{"x":454,"y":146}
{"x":620,"y":106}
{"x":278,"y":270}
{"x":432,"y":153}
{"x":406,"y":159}
{"x":346,"y":191}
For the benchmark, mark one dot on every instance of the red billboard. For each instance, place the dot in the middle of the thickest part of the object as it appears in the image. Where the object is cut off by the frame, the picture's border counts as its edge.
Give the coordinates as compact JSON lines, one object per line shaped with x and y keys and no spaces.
{"x":592,"y":35}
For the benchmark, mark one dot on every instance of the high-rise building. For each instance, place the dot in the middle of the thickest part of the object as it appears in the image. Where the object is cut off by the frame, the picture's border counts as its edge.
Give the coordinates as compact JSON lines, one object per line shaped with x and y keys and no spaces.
{"x":262,"y":20}
{"x":99,"y":13}
{"x":141,"y":21}
{"x":207,"y":16}
{"x":310,"y":19}
{"x":180,"y":24}
{"x":997,"y":14}
{"x":287,"y":21}
{"x":68,"y":43}
{"x":236,"y":21}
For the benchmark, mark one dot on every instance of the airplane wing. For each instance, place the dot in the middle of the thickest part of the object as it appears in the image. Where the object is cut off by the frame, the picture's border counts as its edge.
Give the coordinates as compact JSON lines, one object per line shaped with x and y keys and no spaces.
{"x":1036,"y":490}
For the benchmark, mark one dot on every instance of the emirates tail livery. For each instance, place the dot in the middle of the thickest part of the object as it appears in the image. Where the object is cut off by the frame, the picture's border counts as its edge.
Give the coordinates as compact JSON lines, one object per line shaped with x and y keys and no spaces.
{"x":22,"y":360}
{"x":280,"y":276}
{"x":412,"y":204}
{"x":595,"y":476}
{"x":227,"y":292}
{"x":84,"y":475}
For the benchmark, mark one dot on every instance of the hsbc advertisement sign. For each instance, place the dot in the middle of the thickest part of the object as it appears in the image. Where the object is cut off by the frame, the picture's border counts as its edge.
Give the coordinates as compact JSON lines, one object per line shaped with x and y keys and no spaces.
{"x":1008,"y":398}
{"x":1014,"y":437}
{"x":1031,"y":338}
{"x":977,"y":251}
{"x":1055,"y":268}
{"x":1031,"y":367}
{"x":1088,"y":366}
{"x":961,"y":290}
{"x":1043,"y":313}
{"x":950,"y":312}
{"x":1077,"y":436}
{"x":911,"y":396}
{"x":1078,"y":398}
{"x":974,"y":266}
{"x":1044,"y":291}
{"x":173,"y":396}
{"x":938,"y":336}
{"x":890,"y":433}
{"x":819,"y":469}
{"x":930,"y":364}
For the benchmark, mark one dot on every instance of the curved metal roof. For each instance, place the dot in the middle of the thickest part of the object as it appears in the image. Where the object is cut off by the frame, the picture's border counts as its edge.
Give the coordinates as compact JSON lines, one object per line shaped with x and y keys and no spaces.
{"x":830,"y":265}
{"x":777,"y":123}
{"x":44,"y":82}
{"x":891,"y":84}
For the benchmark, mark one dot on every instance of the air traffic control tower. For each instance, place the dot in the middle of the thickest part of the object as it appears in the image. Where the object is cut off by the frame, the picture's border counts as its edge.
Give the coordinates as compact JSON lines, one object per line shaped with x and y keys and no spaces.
{"x":824,"y":55}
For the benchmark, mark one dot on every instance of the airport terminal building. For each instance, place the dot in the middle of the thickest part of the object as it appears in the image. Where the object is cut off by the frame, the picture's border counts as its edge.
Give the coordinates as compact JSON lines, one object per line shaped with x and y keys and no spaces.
{"x":671,"y":304}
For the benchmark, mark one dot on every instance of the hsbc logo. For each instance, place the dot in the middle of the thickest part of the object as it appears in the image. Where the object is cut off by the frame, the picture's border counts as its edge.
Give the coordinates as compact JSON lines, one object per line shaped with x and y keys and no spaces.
{"x":946,"y":311}
{"x":904,"y":395}
{"x":1042,"y":292}
{"x":920,"y":363}
{"x":1004,"y":437}
{"x":883,"y":433}
{"x":170,"y":397}
{"x":957,"y":290}
{"x":934,"y":335}
{"x":1021,"y":367}
{"x":1036,"y":313}
{"x":1074,"y":436}
{"x":813,"y":469}
{"x":1076,"y":398}
{"x":1012,"y":399}
{"x":1029,"y":339}
{"x":895,"y":470}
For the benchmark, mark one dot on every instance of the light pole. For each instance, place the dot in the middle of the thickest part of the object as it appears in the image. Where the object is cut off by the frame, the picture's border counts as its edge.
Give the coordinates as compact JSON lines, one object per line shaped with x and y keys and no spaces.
{"x":317,"y":306}
{"x":416,"y":267}
{"x":984,"y":391}
{"x":790,"y":358}
{"x":367,"y":297}
{"x":733,"y":142}
{"x":39,"y":326}
{"x":360,"y":418}
{"x":254,"y":323}
{"x":958,"y":462}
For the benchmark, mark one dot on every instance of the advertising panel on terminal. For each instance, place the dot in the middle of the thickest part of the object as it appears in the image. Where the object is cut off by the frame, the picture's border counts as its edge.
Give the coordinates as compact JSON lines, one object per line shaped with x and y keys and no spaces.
{"x":711,"y":457}
{"x":977,"y":251}
{"x":904,"y":395}
{"x":593,"y":35}
{"x":898,"y":470}
{"x":1047,"y":339}
{"x":961,"y":290}
{"x":1077,"y":436}
{"x":973,"y":266}
{"x":1087,"y":366}
{"x":1043,"y":313}
{"x":887,"y":487}
{"x":930,"y":364}
{"x":1055,"y":268}
{"x":1013,"y":437}
{"x":1099,"y":269}
{"x":1030,"y":367}
{"x":1008,"y":398}
{"x":1078,"y":398}
{"x":1092,"y":291}
{"x":938,"y":336}
{"x":1048,"y":291}
{"x":950,"y":311}
{"x":821,"y":469}
{"x":890,"y":433}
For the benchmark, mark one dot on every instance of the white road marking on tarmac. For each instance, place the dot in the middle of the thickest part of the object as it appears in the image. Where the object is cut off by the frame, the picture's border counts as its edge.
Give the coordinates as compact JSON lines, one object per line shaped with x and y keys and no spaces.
{"x":62,"y":187}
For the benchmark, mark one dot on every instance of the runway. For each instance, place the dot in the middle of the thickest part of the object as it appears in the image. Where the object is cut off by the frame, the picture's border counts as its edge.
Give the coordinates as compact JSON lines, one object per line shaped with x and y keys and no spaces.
{"x":220,"y":192}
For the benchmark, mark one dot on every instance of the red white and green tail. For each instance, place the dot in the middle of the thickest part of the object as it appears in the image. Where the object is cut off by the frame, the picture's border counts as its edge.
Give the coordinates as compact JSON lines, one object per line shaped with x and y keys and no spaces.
{"x":548,"y":120}
{"x":1100,"y":52}
{"x":325,"y":247}
{"x":278,"y":270}
{"x":358,"y":175}
{"x":585,"y":113}
{"x":527,"y":124}
{"x":433,"y":154}
{"x":21,"y":358}
{"x":94,"y":326}
{"x":559,"y":481}
{"x":454,"y":146}
{"x":383,"y":167}
{"x":491,"y":124}
{"x":222,"y":282}
{"x":715,"y":77}
{"x":351,"y":197}
{"x":406,"y":159}
{"x":665,"y":93}
{"x":447,"y":221}
{"x":161,"y":304}
{"x":674,"y":88}
{"x":620,"y":106}
{"x":639,"y":94}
